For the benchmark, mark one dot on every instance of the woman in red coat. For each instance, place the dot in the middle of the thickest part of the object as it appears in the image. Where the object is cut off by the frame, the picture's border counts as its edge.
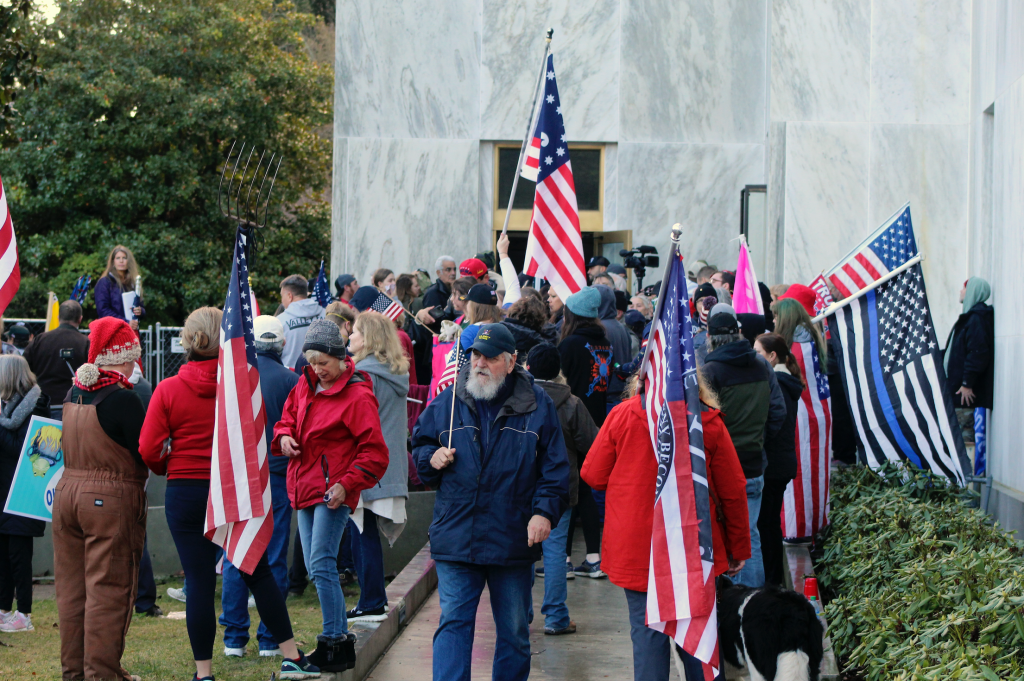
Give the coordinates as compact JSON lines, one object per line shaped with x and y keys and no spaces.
{"x":621,"y":462}
{"x":330,"y":429}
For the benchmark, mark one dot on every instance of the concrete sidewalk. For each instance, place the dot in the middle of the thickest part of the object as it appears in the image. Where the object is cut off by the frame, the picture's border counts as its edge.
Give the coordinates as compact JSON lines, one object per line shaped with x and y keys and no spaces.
{"x":600,"y":648}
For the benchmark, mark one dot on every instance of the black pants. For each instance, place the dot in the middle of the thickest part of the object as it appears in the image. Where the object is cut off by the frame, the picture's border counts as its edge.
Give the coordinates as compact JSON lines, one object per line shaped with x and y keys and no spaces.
{"x":769,"y":524}
{"x":590,"y":515}
{"x":186,"y":518}
{"x":16,"y":572}
{"x":146,"y":596}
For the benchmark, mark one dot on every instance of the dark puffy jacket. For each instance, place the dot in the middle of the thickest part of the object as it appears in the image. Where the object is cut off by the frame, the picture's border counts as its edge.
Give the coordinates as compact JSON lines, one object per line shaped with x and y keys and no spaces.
{"x":781,"y":445}
{"x":13,"y":428}
{"x":525,"y":337}
{"x":587,"y":366}
{"x":108,"y":298}
{"x":276,"y":383}
{"x":504,"y":473}
{"x":972,"y":346}
{"x":741,"y":381}
{"x":578,"y":430}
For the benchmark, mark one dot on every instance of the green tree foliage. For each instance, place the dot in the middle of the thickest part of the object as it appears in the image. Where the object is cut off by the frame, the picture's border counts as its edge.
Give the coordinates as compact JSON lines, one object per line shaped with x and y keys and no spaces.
{"x":18,"y":68}
{"x":125,"y":143}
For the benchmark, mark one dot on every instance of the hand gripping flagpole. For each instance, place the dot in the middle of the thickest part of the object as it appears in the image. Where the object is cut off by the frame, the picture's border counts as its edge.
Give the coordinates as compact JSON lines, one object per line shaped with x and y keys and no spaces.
{"x":529,"y":126}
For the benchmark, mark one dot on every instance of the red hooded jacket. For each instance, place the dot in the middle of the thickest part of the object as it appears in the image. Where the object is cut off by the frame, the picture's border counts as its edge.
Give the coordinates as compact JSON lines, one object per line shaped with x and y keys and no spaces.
{"x":339,"y":428}
{"x":621,"y":461}
{"x":182,"y":409}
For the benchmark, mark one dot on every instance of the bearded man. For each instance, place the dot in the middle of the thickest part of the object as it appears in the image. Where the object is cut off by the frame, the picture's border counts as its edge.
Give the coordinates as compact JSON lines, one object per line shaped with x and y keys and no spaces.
{"x":501,"y":473}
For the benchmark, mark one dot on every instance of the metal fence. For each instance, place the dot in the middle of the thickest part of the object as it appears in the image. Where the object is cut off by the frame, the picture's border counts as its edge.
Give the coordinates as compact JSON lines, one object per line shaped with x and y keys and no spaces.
{"x":162,"y":354}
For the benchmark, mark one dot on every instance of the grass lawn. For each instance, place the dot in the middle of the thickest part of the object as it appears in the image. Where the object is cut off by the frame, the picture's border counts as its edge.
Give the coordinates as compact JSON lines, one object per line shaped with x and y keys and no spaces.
{"x":157,"y":648}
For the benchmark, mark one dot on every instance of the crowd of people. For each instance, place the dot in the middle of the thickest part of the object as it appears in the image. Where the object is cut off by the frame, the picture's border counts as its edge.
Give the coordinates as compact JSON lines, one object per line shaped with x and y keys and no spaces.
{"x":542,"y":428}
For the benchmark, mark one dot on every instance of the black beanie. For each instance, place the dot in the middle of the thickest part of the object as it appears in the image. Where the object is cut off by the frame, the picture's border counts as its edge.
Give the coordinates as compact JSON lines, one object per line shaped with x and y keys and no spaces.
{"x":544,"y":362}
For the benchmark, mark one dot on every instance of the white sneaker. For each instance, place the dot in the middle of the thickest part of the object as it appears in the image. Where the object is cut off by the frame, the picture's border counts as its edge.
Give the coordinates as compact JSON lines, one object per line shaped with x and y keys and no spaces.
{"x":252,"y":602}
{"x":234,"y":652}
{"x":15,"y":622}
{"x":271,"y":652}
{"x":176,"y":594}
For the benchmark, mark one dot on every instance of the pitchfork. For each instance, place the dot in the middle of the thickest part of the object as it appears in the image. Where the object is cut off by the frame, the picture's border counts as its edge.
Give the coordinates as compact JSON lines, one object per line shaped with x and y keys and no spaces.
{"x":247,"y":211}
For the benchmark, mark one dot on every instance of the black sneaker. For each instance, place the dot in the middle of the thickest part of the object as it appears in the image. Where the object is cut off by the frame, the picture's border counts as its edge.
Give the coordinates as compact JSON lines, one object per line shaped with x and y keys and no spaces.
{"x":301,"y":668}
{"x":155,"y":611}
{"x":348,"y":578}
{"x":377,"y":615}
{"x":195,"y":677}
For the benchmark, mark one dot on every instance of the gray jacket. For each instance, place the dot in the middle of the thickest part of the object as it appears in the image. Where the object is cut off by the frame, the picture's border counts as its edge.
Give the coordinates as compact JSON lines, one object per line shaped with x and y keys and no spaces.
{"x":390,"y":390}
{"x":296,"y":319}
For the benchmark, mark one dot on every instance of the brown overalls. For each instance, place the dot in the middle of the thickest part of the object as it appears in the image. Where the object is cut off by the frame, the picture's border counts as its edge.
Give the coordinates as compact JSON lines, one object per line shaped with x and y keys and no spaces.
{"x":99,"y":526}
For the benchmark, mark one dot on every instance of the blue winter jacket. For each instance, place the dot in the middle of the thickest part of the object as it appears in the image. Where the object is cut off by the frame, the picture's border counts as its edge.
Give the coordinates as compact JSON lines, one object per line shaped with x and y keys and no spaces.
{"x":276,"y":383}
{"x":504,"y":473}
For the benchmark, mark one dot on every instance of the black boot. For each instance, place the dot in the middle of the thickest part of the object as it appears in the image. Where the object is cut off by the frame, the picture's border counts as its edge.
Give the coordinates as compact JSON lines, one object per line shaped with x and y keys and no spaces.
{"x":331,"y":654}
{"x":319,"y":656}
{"x":348,"y":648}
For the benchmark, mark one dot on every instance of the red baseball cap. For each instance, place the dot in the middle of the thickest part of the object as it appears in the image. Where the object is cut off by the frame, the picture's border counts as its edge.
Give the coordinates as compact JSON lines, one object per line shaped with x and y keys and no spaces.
{"x":473,"y":267}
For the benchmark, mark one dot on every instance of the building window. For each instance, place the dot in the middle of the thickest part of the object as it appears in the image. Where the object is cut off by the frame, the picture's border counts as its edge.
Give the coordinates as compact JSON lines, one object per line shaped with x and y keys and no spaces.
{"x":588,"y":176}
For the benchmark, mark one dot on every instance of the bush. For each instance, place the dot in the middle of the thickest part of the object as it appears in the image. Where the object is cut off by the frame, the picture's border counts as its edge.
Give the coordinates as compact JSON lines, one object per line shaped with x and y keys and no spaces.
{"x":925,"y":588}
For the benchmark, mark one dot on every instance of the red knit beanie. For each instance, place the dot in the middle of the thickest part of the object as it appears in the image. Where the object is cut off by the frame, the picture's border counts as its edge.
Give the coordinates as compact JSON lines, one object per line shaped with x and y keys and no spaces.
{"x":804,"y":295}
{"x":111,"y":341}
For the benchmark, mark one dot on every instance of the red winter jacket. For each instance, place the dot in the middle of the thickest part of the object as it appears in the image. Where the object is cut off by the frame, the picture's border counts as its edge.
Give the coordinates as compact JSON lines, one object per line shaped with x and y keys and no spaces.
{"x":182,"y":409}
{"x":622,"y":462}
{"x":339,"y":427}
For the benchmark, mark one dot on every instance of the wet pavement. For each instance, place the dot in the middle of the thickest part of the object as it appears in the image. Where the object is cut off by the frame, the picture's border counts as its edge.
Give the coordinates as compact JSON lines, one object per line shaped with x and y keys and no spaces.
{"x":599,"y":649}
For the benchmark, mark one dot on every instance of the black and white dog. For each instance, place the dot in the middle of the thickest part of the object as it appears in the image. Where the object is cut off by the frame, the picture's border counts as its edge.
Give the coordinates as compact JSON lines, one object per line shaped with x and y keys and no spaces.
{"x":772,"y":631}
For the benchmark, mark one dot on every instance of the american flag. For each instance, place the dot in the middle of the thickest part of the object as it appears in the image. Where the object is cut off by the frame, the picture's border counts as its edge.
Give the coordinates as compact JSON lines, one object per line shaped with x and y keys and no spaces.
{"x":239,"y":503}
{"x":322,"y":289}
{"x":887,"y":248}
{"x":391,"y":309}
{"x":681,"y":588}
{"x":805,"y":503}
{"x":893,"y":376}
{"x":554,"y":249}
{"x":453,"y":363}
{"x":10,"y":273}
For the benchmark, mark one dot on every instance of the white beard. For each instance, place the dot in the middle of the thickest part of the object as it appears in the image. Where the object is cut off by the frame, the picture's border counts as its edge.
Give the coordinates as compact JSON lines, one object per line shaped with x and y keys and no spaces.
{"x":483,"y":385}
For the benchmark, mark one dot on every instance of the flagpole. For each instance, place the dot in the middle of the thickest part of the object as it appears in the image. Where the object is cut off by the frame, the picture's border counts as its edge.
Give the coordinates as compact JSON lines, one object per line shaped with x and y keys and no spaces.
{"x":529,"y":127}
{"x":870,"y":287}
{"x":677,"y":232}
{"x":455,"y":385}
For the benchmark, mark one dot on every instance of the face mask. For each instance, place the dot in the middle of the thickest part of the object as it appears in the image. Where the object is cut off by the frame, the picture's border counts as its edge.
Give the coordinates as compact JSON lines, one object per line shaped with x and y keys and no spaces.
{"x":136,"y":374}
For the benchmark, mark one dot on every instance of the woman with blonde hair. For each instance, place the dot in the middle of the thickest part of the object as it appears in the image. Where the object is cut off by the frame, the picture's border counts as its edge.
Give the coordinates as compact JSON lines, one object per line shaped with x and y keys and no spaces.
{"x":177,"y":441}
{"x":376,"y":350}
{"x":22,"y":399}
{"x":622,"y":463}
{"x":119,"y":278}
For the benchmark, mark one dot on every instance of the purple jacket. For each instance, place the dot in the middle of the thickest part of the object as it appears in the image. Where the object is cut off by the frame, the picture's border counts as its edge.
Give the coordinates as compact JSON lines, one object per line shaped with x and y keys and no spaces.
{"x":108,"y":298}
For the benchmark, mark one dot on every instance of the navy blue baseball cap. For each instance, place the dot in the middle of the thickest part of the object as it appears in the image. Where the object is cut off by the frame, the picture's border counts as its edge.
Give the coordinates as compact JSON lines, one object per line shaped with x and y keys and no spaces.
{"x":494,"y":339}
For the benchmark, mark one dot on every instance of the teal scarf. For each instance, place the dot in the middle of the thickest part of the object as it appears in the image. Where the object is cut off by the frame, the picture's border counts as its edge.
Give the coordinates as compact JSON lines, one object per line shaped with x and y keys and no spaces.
{"x":978,"y":291}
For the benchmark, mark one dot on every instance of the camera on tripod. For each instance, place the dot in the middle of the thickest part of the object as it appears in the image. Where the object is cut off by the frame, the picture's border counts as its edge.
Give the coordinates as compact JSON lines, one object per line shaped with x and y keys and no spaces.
{"x":638,"y":260}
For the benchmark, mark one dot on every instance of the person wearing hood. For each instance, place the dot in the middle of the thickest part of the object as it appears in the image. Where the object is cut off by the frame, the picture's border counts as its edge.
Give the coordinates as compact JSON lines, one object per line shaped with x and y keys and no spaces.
{"x":781,"y":451}
{"x":742,"y":381}
{"x":299,"y":312}
{"x":99,"y":506}
{"x":578,"y":431}
{"x":970,"y":349}
{"x":586,"y":358}
{"x":177,"y":441}
{"x":23,"y":398}
{"x":527,"y":321}
{"x":330,"y":430}
{"x":375,"y":350}
{"x":617,"y":335}
{"x":276,"y":382}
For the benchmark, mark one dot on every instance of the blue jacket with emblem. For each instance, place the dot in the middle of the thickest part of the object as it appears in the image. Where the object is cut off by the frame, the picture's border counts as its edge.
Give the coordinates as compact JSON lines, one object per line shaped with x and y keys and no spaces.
{"x":505,"y":471}
{"x":276,"y":384}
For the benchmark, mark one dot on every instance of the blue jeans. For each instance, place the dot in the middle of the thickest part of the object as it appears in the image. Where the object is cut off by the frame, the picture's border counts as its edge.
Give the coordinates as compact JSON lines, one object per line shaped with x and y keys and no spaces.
{"x":321,"y":530}
{"x":369,"y":560}
{"x":752,"y":574}
{"x":459,"y":586}
{"x":235,"y":594}
{"x":556,"y":613}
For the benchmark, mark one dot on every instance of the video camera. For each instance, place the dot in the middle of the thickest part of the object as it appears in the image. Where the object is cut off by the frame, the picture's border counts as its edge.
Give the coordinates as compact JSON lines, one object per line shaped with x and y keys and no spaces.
{"x":638,"y":260}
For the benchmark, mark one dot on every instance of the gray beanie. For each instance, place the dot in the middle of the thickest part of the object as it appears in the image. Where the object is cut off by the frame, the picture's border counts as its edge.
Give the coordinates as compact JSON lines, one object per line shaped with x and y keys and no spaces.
{"x":324,"y":336}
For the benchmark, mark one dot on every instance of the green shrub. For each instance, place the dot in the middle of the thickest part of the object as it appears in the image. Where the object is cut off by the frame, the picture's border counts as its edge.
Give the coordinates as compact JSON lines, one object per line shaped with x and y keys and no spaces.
{"x":925,"y":587}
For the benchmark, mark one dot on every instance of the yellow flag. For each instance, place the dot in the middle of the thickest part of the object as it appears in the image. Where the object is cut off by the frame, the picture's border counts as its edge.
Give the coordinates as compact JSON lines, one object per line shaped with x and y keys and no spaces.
{"x":52,"y":306}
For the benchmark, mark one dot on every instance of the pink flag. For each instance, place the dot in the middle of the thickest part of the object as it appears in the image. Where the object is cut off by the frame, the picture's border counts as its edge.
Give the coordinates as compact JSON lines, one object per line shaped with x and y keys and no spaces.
{"x":746,"y":298}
